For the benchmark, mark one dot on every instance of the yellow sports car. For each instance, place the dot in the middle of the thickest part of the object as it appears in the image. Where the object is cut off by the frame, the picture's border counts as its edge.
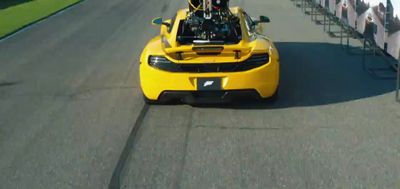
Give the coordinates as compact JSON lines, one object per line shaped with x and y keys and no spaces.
{"x":209,"y":53}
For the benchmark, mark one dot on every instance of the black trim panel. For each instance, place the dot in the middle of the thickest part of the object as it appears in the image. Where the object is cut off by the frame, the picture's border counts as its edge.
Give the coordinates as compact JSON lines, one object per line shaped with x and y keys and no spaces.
{"x":253,"y":62}
{"x":208,"y":96}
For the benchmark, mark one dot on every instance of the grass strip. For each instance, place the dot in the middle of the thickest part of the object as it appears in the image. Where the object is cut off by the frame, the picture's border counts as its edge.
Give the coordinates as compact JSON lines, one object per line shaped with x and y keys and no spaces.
{"x":16,"y":14}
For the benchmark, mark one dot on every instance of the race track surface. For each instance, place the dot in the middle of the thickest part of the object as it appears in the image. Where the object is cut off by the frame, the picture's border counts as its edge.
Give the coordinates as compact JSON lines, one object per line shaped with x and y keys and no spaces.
{"x":72,"y":115}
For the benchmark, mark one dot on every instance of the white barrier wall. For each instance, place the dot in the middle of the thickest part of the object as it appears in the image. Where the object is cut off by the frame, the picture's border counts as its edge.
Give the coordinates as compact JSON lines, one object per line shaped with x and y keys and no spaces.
{"x":393,"y":28}
{"x":332,"y":5}
{"x":371,"y":20}
{"x":377,"y":20}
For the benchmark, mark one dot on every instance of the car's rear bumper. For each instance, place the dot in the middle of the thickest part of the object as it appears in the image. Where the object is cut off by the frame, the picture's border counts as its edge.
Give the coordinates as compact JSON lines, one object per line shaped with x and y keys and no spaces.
{"x":157,"y":84}
{"x":207,"y":96}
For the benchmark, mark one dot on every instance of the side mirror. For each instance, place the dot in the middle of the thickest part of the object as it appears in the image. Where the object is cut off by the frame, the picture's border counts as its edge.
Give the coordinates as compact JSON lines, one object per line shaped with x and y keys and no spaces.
{"x":159,"y":21}
{"x":263,"y":19}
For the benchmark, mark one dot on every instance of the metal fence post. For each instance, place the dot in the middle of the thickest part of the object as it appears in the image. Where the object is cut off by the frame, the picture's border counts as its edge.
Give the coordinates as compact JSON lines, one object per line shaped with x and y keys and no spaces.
{"x":398,"y":81}
{"x":329,"y":25}
{"x":324,"y":22}
{"x":341,"y":32}
{"x":312,"y":10}
{"x":348,"y":33}
{"x":316,"y":10}
{"x":364,"y":54}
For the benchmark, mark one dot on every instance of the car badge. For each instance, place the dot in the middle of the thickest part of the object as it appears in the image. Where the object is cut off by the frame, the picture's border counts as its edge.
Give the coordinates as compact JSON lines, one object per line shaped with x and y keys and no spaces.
{"x":208,"y":83}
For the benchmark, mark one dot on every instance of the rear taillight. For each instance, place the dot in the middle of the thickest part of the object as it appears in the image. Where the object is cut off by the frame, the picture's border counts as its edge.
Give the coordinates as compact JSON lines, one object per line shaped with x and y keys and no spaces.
{"x":258,"y":59}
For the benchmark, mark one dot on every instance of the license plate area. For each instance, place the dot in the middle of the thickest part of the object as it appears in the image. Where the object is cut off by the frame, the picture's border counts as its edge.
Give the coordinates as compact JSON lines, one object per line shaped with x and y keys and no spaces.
{"x":209,"y":84}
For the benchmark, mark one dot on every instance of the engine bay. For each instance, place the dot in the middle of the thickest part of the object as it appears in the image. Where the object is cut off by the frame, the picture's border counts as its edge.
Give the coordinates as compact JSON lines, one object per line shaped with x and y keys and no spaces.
{"x":209,"y":22}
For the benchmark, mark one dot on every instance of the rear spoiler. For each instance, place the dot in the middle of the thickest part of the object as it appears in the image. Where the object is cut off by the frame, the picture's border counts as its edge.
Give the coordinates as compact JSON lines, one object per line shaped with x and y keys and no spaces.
{"x":208,"y":50}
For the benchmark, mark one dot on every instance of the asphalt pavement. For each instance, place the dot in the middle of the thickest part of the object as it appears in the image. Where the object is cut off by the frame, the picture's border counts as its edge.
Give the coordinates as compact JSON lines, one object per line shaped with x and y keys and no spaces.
{"x":70,"y":99}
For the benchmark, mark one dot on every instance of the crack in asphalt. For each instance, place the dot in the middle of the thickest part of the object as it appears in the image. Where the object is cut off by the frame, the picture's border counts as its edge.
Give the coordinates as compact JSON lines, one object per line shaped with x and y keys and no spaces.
{"x":8,"y":84}
{"x":241,"y":128}
{"x":254,"y":128}
{"x":115,"y":182}
{"x":178,"y":180}
{"x":78,"y":95}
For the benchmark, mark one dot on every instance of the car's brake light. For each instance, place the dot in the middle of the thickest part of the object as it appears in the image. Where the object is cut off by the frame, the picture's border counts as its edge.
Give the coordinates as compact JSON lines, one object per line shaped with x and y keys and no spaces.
{"x":156,"y":60}
{"x":254,"y":61}
{"x":259,"y":59}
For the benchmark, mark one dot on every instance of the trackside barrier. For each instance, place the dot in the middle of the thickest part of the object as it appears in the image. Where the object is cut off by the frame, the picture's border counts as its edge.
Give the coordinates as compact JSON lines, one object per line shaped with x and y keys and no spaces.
{"x":369,"y":46}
